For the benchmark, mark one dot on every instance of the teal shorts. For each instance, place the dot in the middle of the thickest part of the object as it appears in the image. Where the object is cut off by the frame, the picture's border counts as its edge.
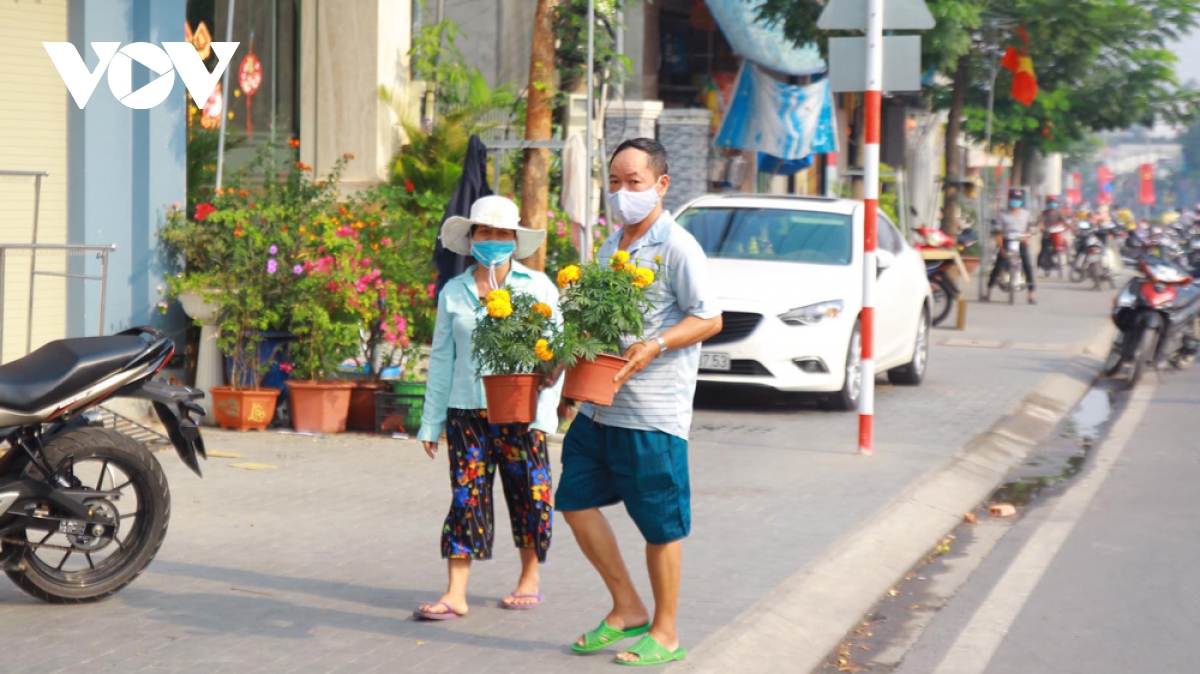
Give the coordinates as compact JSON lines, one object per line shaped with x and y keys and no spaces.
{"x":647,"y":470}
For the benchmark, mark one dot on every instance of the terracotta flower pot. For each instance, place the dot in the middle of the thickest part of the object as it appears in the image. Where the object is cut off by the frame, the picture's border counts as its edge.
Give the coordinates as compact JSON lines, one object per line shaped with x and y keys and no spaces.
{"x":511,"y":398}
{"x":592,"y":380}
{"x":971,"y":263}
{"x":320,"y":406}
{"x":362,"y":406}
{"x":244,"y":409}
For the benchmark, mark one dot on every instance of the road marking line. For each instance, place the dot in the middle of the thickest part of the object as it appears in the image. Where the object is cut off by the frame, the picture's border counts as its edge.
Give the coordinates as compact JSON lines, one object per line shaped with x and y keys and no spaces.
{"x":975,"y":646}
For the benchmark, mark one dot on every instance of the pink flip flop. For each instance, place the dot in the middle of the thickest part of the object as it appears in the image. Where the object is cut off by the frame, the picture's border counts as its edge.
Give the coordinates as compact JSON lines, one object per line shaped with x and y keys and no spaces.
{"x":429,"y":615}
{"x":522,"y":607}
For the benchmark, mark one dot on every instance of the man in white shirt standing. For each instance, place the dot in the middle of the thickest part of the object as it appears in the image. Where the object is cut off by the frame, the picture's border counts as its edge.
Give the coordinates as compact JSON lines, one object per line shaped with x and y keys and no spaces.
{"x":635,"y":451}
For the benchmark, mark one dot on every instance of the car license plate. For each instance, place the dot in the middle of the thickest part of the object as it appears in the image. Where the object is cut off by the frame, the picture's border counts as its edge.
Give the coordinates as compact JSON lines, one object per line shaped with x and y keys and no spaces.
{"x":714,"y":361}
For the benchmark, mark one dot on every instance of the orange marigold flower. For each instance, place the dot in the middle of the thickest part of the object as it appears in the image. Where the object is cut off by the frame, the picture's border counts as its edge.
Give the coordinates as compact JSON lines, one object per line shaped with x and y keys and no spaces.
{"x":643,"y":277}
{"x":543,"y":309}
{"x":568,"y":275}
{"x":293,"y":142}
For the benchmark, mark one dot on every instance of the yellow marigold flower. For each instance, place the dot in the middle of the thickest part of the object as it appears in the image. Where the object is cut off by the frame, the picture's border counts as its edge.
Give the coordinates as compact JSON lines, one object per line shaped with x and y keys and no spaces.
{"x":657,"y":259}
{"x":499,"y":295}
{"x":499,"y":309}
{"x":568,"y":275}
{"x":619,"y":259}
{"x":643,"y":277}
{"x":629,"y":267}
{"x":543,"y":309}
{"x":542,"y":349}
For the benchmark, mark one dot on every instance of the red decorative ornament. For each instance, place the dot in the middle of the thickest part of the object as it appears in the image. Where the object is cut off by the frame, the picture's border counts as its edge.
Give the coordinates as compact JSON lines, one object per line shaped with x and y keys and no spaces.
{"x":210,"y":116}
{"x":250,"y":77}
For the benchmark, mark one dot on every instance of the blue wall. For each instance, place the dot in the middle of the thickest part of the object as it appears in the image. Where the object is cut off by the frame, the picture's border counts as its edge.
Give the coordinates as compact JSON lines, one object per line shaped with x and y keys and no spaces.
{"x":125,"y":169}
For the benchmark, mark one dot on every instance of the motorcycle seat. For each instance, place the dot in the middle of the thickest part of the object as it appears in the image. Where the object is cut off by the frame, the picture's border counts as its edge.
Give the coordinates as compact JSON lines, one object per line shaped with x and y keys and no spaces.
{"x":62,"y":368}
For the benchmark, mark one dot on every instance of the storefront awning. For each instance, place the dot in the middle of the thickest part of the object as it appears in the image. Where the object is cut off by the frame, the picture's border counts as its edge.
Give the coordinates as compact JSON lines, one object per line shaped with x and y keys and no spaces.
{"x":767,"y":46}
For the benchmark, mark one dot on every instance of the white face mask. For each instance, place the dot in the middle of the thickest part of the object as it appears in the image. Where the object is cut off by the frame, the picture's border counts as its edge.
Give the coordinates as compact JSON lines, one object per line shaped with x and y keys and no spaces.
{"x":633,"y":207}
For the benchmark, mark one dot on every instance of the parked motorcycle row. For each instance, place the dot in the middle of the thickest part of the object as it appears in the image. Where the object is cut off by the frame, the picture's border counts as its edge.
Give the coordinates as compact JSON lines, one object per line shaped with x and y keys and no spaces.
{"x":1157,"y":312}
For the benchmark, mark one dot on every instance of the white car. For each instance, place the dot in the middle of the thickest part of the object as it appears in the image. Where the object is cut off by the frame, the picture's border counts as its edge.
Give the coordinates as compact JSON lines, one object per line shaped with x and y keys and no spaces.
{"x":788,"y":272}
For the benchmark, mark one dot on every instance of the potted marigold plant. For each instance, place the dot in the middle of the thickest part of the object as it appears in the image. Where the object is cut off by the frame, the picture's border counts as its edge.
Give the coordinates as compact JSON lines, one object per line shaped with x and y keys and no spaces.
{"x":601,"y":303}
{"x":512,"y":347}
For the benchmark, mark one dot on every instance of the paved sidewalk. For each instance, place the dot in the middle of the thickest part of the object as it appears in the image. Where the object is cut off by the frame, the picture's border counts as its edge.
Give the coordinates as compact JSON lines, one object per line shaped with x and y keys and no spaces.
{"x":316,"y":564}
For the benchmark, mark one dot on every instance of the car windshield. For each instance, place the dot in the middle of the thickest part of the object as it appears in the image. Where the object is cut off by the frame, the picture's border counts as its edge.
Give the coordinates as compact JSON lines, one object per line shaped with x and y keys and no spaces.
{"x":771,"y":234}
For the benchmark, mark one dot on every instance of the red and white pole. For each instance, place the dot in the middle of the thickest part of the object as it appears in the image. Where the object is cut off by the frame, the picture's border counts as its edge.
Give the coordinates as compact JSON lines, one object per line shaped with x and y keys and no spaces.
{"x":872,"y":112}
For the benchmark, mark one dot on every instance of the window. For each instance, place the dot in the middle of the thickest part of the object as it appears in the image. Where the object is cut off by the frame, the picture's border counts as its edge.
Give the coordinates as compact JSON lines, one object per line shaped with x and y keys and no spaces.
{"x":771,"y":234}
{"x":889,"y":236}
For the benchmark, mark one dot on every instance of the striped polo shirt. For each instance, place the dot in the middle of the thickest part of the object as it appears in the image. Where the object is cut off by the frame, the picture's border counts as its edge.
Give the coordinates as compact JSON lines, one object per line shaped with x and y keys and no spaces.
{"x":659,"y":398}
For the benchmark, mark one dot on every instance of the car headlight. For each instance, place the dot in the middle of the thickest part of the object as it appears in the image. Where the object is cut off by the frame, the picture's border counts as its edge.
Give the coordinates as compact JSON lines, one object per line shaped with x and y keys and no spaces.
{"x":813,"y":313}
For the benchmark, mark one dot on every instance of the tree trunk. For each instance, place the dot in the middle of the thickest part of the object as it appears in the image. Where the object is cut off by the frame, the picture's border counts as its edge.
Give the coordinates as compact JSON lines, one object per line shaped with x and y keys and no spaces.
{"x":1018,"y":162}
{"x":962,"y":75}
{"x":535,"y":184}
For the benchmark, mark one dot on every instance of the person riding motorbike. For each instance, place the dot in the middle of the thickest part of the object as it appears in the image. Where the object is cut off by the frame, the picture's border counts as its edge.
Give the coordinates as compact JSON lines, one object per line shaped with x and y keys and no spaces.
{"x":1053,"y":226}
{"x":1012,"y":224}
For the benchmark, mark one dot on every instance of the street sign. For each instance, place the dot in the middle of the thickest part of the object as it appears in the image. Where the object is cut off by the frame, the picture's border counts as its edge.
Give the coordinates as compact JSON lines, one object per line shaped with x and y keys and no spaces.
{"x":897,"y":15}
{"x":901,"y":64}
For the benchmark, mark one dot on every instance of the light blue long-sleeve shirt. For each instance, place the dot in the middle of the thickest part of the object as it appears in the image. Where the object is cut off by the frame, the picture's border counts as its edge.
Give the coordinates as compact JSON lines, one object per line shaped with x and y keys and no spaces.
{"x":452,"y":380}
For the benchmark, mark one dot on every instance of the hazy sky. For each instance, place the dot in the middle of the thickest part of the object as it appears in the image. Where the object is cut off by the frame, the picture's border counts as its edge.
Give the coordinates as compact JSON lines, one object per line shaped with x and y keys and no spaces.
{"x":1188,"y":51}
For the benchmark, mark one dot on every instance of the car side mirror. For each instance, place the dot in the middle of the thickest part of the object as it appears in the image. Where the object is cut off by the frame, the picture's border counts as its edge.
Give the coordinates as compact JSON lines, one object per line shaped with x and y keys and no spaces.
{"x":884,"y":259}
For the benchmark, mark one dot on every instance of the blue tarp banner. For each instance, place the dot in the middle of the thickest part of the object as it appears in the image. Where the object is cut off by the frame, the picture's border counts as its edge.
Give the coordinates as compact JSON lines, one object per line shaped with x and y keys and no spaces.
{"x":765,"y":45}
{"x":789,"y":121}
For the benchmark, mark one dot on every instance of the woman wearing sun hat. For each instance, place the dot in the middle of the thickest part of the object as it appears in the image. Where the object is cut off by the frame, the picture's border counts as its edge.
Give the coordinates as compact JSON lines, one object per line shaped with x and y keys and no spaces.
{"x":455,"y":403}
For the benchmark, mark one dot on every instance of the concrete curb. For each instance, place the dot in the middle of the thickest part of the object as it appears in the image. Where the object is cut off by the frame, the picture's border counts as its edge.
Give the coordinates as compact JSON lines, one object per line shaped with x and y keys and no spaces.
{"x":808,"y":615}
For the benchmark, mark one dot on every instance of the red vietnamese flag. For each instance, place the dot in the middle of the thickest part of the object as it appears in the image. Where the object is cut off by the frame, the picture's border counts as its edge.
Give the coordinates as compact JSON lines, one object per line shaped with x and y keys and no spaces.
{"x":1146,"y":194}
{"x":1075,"y":189}
{"x":1024,"y":86}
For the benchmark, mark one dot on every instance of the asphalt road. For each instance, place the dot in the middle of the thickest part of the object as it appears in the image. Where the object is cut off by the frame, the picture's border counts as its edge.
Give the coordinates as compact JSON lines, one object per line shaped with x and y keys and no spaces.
{"x":1098,"y":577}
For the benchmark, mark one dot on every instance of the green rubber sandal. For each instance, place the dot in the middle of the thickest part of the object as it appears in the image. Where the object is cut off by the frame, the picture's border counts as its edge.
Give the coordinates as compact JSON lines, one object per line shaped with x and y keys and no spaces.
{"x":605,"y":636}
{"x":651,"y":653}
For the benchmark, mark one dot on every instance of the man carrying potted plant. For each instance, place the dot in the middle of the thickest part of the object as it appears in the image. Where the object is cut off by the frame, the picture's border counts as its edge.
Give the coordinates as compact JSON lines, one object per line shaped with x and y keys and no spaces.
{"x":635,"y":450}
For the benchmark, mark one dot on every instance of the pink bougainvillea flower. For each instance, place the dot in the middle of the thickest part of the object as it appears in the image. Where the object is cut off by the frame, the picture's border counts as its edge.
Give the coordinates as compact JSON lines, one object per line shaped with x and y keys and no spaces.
{"x":272,"y":266}
{"x":432,"y":289}
{"x":273,"y":250}
{"x":602,"y":221}
{"x":298,"y":270}
{"x":387,"y":241}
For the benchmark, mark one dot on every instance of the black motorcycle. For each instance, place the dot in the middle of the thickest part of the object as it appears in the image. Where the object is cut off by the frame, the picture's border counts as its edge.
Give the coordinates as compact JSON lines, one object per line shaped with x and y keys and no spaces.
{"x":1156,"y":314}
{"x":84,"y":509}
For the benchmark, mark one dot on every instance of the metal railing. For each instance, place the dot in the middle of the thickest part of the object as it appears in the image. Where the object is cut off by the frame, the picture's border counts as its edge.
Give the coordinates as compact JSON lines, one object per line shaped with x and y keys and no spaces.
{"x":101,"y":253}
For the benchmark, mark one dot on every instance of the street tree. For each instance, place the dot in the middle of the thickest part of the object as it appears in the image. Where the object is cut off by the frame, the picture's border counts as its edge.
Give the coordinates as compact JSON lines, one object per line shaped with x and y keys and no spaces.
{"x":539,"y":119}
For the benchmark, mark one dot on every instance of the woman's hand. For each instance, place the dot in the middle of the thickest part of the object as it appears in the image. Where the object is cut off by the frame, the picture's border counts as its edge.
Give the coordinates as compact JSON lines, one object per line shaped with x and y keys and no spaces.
{"x":550,"y":378}
{"x":430,"y":448}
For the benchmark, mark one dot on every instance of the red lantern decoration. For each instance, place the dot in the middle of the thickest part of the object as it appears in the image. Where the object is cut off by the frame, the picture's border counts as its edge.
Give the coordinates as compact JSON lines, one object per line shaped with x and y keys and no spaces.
{"x":250,"y":77}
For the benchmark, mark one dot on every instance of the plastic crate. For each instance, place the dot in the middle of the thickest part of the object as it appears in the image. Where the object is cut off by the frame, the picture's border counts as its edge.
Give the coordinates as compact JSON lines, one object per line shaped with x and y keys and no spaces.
{"x":398,"y":413}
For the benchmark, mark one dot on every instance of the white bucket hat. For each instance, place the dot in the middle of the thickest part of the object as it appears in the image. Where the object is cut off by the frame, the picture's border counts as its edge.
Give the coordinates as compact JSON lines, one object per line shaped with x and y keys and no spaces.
{"x":493,"y":211}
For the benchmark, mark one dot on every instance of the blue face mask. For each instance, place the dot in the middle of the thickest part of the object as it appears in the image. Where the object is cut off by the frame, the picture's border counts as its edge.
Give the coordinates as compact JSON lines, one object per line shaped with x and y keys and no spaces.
{"x":493,"y":253}
{"x":1014,"y":203}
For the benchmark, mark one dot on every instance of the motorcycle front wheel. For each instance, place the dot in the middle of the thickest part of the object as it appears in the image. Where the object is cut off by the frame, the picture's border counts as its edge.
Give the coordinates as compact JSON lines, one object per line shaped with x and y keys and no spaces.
{"x":65,"y":568}
{"x":1142,"y":356}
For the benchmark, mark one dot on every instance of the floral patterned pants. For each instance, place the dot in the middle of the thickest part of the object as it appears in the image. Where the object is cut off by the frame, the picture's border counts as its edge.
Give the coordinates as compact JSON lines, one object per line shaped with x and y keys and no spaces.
{"x":477,"y":450}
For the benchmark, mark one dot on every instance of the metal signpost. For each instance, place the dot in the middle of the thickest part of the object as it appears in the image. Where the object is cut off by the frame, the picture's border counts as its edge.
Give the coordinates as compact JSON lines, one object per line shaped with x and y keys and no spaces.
{"x":869,"y":15}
